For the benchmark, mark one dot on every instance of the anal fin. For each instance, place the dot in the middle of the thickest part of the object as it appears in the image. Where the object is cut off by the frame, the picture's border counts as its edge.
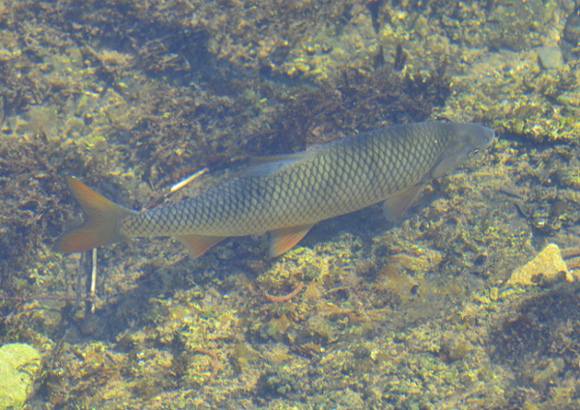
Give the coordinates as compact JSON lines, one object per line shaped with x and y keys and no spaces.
{"x":283,"y":239}
{"x":197,"y":245}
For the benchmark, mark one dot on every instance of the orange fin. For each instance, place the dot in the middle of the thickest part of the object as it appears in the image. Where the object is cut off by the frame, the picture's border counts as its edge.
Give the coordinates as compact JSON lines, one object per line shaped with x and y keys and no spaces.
{"x":197,"y":245}
{"x":283,"y":239}
{"x":101,"y":217}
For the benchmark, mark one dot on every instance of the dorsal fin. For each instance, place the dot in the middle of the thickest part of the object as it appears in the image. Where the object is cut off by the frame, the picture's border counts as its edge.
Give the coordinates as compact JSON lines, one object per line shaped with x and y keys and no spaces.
{"x":260,"y":166}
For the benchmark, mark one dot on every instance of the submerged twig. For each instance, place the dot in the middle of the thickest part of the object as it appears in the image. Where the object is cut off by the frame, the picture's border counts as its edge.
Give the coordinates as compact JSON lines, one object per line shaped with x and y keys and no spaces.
{"x":215,"y":367}
{"x":570,"y":256}
{"x":570,"y":253}
{"x":162,"y":197}
{"x":94,"y":280}
{"x":280,"y":299}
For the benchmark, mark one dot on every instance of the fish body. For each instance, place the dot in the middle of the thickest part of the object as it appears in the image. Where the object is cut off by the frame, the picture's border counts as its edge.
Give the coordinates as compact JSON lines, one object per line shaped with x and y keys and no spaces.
{"x":286,"y":195}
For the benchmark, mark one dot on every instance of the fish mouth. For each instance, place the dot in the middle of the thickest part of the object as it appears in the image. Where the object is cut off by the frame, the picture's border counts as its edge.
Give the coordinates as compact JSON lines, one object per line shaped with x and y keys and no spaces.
{"x":489,"y":137}
{"x":492,"y":135}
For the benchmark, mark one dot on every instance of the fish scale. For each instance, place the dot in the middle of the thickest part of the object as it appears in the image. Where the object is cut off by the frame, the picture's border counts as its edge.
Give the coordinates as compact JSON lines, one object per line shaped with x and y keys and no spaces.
{"x":338,"y":179}
{"x":286,"y":195}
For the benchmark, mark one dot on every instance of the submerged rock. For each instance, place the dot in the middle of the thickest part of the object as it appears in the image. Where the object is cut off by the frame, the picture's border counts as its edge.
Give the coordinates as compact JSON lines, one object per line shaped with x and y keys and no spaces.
{"x":550,"y":57}
{"x":20,"y":365}
{"x":547,"y":264}
{"x":571,"y":35}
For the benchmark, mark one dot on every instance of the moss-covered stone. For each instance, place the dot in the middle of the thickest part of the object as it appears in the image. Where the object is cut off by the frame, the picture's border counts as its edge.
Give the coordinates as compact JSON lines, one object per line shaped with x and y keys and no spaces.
{"x":20,"y":366}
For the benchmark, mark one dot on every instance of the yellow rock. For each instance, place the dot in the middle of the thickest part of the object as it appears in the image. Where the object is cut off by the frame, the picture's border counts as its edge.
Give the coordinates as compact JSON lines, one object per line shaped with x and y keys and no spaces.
{"x":547,"y":263}
{"x":20,"y":367}
{"x":422,"y":261}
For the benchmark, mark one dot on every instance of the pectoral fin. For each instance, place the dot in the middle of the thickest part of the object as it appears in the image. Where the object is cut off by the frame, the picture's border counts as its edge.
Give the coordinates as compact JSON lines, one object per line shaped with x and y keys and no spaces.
{"x":197,"y":245}
{"x":284,"y":239}
{"x":395,"y":206}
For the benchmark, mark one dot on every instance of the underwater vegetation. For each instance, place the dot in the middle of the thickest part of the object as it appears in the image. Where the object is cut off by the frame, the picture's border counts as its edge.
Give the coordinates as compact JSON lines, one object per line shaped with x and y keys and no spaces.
{"x":133,"y":96}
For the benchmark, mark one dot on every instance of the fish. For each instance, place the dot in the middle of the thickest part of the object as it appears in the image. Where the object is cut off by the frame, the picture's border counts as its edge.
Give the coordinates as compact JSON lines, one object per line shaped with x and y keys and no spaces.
{"x":286,"y":195}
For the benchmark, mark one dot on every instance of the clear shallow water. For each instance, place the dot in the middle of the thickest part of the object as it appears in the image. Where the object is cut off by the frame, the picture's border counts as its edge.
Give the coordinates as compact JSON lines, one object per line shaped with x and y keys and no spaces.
{"x":132,"y":97}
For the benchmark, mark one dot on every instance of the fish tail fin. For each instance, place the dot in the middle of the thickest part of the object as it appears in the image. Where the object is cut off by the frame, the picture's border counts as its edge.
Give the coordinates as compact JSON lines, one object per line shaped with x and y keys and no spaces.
{"x":101,"y":220}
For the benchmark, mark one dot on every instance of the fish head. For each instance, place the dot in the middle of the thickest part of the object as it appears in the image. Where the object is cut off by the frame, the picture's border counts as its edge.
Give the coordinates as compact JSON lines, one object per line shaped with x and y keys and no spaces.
{"x":464,"y":142}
